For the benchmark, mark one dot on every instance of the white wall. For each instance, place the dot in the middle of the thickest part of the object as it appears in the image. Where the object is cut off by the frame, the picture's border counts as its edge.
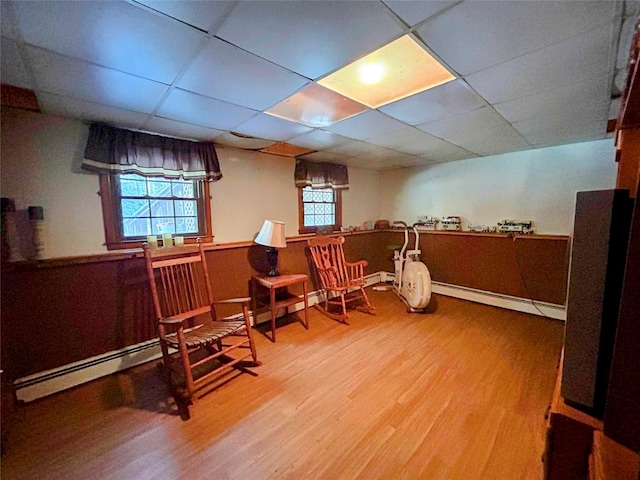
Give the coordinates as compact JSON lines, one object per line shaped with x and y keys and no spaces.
{"x":255,"y":186}
{"x":39,"y":154}
{"x":537,"y":185}
{"x":40,"y":165}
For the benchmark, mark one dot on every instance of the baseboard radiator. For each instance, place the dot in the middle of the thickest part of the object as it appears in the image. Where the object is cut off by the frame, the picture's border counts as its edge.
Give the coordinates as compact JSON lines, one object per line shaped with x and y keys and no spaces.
{"x":45,"y":383}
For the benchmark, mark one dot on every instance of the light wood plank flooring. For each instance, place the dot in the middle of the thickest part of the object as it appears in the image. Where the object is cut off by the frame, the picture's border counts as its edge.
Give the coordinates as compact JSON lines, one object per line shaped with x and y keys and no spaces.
{"x":459,"y":393}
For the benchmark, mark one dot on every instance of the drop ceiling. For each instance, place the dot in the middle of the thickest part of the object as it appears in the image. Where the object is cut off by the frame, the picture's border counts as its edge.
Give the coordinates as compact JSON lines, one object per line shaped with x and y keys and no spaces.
{"x":527,"y":74}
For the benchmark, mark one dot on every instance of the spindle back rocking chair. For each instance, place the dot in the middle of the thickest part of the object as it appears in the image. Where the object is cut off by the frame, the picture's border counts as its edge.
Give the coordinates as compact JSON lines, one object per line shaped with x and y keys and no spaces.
{"x":342,"y":281}
{"x":195,"y":344}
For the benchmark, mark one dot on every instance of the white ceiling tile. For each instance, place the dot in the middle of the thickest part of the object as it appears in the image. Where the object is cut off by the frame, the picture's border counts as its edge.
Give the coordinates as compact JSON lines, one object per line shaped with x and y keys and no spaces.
{"x":366,"y":125}
{"x":585,"y":99}
{"x":228,"y":73}
{"x":73,"y":108}
{"x":199,"y":110}
{"x":412,"y":161}
{"x":74,"y":78}
{"x":203,"y":15}
{"x":481,"y":131}
{"x":354,"y":148}
{"x":323,"y":157}
{"x":319,"y":139}
{"x":267,"y":126}
{"x":241,"y":141}
{"x":12,"y":68}
{"x":376,"y":152}
{"x":174,"y":128}
{"x":553,"y":133}
{"x":409,"y":140}
{"x":412,"y":12}
{"x":440,"y":102}
{"x":368,"y":163}
{"x":582,"y":56}
{"x":477,"y":34}
{"x":310,"y":38}
{"x":491,"y":140}
{"x":480,"y":118}
{"x":7,"y":21}
{"x":443,"y":151}
{"x":118,"y":35}
{"x":406,"y":160}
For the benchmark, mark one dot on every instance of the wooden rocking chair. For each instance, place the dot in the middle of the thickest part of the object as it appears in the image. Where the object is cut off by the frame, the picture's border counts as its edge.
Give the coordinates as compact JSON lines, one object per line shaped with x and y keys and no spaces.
{"x":195,"y":344}
{"x":341,"y":280}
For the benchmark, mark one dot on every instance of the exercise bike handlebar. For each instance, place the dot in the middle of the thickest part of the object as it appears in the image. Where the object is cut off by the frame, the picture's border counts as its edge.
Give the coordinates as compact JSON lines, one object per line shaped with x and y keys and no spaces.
{"x":416,"y":250}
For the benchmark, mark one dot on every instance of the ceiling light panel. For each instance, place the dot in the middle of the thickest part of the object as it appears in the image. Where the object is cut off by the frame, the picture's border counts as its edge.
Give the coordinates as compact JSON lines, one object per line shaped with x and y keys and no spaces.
{"x":397,"y":70}
{"x":316,"y":107}
{"x":286,"y":150}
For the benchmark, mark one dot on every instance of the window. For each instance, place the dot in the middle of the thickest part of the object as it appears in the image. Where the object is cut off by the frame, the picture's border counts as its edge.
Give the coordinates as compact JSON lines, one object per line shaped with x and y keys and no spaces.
{"x":135,"y":206}
{"x":319,"y":208}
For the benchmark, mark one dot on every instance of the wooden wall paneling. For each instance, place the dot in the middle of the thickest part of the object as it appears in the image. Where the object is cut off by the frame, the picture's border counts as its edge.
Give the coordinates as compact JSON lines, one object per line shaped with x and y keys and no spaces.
{"x":544,"y":263}
{"x":533,"y":267}
{"x":55,"y":316}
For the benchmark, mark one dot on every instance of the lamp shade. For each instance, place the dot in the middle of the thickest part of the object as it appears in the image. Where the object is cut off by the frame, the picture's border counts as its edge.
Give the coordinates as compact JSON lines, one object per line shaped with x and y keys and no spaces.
{"x":272,"y":234}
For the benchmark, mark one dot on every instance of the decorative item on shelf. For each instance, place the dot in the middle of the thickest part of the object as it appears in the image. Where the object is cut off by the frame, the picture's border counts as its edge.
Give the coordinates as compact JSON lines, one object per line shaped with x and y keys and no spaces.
{"x":368,"y":225}
{"x":152,"y":240}
{"x":482,"y":228}
{"x":382,"y":224}
{"x":272,"y":236}
{"x":36,"y":220}
{"x":427,"y":222}
{"x":9,"y":231}
{"x":178,"y":241}
{"x":451,"y":224}
{"x":167,"y":240}
{"x":516,"y":226}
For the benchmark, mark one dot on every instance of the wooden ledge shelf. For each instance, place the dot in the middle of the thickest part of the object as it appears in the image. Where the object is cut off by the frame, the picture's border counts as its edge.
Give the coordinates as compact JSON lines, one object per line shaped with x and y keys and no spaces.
{"x":611,"y":461}
{"x":569,"y":437}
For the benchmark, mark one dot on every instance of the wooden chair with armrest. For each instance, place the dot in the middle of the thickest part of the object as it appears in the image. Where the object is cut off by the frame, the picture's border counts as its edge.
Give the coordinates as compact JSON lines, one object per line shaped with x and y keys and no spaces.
{"x":196,"y":345}
{"x":342,"y":281}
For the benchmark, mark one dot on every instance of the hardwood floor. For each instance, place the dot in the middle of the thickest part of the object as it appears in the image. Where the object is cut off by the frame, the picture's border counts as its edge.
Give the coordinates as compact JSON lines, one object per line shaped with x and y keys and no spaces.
{"x":459,"y":393}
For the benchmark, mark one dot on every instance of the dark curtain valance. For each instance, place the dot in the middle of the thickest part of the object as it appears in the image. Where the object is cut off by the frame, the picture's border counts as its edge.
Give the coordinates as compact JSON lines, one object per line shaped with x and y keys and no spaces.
{"x":114,"y":150}
{"x":321,"y":175}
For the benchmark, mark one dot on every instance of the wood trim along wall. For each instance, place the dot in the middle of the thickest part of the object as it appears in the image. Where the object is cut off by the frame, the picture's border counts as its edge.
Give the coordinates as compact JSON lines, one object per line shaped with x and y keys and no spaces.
{"x":60,"y":311}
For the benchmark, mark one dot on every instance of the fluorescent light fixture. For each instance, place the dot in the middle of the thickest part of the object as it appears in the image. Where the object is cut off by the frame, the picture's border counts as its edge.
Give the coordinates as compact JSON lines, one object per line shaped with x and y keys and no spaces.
{"x":395,"y":71}
{"x":316,"y":106}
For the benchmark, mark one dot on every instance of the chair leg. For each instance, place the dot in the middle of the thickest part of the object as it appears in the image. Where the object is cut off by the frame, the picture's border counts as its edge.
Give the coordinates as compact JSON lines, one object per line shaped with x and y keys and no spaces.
{"x":245,"y":313}
{"x":368,"y":307}
{"x":341,"y":317}
{"x":344,"y":305}
{"x":186,"y":364}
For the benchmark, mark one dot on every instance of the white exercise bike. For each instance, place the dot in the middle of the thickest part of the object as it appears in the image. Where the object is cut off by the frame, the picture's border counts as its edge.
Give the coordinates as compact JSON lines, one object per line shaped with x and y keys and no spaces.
{"x":412,"y":282}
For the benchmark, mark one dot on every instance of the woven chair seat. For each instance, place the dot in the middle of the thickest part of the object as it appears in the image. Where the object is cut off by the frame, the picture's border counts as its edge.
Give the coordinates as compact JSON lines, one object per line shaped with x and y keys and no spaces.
{"x":206,"y":334}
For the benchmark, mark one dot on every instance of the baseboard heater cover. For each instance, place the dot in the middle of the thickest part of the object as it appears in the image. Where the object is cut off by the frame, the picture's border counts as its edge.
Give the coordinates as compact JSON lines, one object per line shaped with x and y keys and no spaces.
{"x":535,"y":307}
{"x":45,"y":383}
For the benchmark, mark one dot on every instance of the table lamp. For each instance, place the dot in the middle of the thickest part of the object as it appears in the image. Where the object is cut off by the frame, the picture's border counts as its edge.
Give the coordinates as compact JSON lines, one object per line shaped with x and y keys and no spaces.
{"x":272,"y":236}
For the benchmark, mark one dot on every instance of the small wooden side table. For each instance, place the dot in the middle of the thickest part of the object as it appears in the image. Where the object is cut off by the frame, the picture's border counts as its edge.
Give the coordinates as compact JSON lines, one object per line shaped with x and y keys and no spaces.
{"x":279,"y":295}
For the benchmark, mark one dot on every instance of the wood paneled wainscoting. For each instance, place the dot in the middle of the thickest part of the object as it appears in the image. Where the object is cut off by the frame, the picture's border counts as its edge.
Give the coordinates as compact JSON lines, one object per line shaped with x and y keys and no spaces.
{"x":89,"y":316}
